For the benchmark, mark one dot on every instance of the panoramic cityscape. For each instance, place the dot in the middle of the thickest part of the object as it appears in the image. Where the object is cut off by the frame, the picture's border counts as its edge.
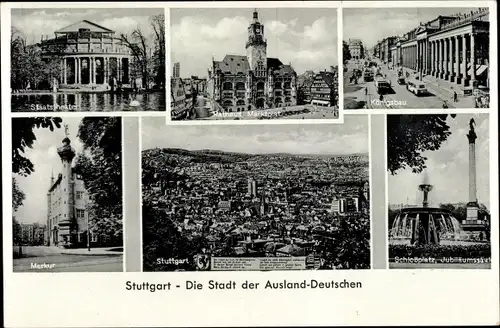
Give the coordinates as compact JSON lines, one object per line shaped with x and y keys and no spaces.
{"x":439,"y":198}
{"x":65,"y":224}
{"x":252,"y":64}
{"x":268,"y":197}
{"x":417,"y":58}
{"x":88,"y":60}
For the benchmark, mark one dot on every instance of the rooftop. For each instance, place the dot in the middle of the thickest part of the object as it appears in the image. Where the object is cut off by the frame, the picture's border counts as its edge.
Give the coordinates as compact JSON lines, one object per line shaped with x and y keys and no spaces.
{"x":85,"y":25}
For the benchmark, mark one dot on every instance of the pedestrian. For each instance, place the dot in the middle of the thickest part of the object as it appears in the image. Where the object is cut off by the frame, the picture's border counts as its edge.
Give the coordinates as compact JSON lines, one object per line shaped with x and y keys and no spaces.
{"x":455,"y":96}
{"x":366,"y":91}
{"x":445,"y":104}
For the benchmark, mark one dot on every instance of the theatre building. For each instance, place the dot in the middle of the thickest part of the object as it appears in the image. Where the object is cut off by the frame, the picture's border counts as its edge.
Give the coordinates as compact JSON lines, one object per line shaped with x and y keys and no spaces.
{"x":91,"y":57}
{"x":450,"y":48}
{"x":253,"y":81}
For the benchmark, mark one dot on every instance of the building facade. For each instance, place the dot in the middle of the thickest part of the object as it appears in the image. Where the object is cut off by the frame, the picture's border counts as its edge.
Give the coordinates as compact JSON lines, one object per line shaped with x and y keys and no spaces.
{"x":324,"y":89}
{"x":91,"y":57}
{"x":356,"y":49}
{"x":178,"y":98}
{"x":67,"y":217}
{"x":176,"y":71}
{"x":253,"y":81}
{"x":452,"y":48}
{"x":32,"y":234}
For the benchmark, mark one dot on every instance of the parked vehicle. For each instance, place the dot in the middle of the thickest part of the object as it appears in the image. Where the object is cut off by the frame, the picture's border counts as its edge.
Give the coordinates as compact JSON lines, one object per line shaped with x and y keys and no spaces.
{"x":401,"y":80}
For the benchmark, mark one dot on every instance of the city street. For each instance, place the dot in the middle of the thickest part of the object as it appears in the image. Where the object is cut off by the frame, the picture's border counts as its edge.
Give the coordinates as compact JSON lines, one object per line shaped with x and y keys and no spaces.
{"x":364,"y":95}
{"x":70,"y":263}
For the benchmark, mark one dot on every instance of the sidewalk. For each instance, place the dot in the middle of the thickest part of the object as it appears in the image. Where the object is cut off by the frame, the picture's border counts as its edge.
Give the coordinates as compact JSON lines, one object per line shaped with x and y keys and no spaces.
{"x":93,"y":251}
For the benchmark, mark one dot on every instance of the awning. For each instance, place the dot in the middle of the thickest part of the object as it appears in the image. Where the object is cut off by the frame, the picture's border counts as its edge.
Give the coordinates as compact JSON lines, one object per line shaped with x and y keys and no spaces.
{"x":324,"y":102}
{"x":480,"y":69}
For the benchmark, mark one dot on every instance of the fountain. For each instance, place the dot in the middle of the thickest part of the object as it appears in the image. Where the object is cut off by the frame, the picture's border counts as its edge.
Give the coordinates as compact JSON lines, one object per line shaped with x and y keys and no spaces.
{"x":425,"y":225}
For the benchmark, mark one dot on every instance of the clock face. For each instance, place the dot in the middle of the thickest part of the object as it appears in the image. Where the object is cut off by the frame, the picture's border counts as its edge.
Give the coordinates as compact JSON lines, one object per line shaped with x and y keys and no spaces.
{"x":257,"y":30}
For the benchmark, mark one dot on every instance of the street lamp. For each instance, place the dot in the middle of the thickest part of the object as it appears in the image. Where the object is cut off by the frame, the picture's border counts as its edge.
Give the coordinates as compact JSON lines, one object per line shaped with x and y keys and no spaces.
{"x":88,"y":233}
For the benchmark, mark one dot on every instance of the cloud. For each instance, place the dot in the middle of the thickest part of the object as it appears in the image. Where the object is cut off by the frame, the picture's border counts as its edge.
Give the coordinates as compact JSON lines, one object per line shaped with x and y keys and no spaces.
{"x":372,"y":25}
{"x":348,"y":138}
{"x":448,"y":168}
{"x":197,"y":38}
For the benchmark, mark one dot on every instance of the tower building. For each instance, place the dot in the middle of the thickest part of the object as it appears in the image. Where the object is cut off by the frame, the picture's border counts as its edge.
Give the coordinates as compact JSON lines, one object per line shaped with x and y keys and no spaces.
{"x":253,"y":81}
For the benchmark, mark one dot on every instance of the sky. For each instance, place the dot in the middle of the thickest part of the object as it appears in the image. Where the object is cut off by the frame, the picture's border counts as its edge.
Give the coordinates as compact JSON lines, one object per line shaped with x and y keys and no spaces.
{"x":308,"y":42}
{"x":46,"y":161}
{"x":33,"y":23}
{"x":448,"y":168}
{"x":329,"y":139}
{"x":359,"y":23}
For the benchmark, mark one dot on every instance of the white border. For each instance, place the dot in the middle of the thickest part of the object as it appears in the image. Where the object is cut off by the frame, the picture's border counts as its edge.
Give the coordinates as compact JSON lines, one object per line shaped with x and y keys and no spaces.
{"x":388,"y":297}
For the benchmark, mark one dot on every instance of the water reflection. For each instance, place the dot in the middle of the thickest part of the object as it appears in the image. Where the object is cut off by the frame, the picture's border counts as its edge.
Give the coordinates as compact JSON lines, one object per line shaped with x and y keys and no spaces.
{"x":88,"y":102}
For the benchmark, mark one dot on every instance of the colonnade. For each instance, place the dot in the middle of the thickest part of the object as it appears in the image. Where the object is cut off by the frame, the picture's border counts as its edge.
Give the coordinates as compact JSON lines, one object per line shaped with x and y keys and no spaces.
{"x":120,"y":71}
{"x":449,"y":58}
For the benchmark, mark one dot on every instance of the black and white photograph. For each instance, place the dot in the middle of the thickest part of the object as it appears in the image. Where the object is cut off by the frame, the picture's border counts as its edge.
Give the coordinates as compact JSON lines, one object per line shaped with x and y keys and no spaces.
{"x":254,"y":64}
{"x":67,"y":194}
{"x":416,"y":58}
{"x":267,"y":197}
{"x":88,"y":60}
{"x":439,"y":196}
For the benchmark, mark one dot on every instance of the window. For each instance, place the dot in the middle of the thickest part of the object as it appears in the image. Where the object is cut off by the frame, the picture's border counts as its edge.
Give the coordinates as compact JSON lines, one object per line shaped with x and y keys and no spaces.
{"x":80,"y":214}
{"x":93,"y":237}
{"x":79,"y":195}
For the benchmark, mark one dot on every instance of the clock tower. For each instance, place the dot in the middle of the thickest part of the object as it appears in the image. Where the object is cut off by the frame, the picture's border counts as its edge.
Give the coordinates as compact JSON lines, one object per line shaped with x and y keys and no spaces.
{"x":256,"y":47}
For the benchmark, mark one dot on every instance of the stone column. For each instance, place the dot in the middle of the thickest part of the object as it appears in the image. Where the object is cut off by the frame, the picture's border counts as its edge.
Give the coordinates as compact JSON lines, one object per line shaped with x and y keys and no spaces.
{"x":433,"y":58}
{"x":464,"y":59}
{"x":442,"y":59}
{"x":105,"y":70}
{"x":472,"y":58}
{"x":425,"y":56}
{"x":76,"y":71}
{"x":80,"y":70}
{"x":457,"y":60}
{"x":65,"y":79}
{"x":447,"y":58}
{"x":438,"y":58}
{"x":94,"y":70}
{"x":472,"y":206}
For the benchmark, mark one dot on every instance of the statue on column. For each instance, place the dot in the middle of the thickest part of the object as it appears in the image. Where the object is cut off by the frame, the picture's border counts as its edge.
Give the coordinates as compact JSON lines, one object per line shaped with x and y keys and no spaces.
{"x":471,"y":125}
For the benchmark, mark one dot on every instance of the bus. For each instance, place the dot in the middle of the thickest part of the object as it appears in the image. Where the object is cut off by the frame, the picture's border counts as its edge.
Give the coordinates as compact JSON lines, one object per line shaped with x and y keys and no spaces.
{"x":382,"y":85}
{"x":416,"y":87}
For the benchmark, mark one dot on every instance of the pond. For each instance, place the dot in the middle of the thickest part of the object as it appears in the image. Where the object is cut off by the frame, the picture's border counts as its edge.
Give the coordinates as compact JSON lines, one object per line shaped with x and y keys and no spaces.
{"x":87,"y":102}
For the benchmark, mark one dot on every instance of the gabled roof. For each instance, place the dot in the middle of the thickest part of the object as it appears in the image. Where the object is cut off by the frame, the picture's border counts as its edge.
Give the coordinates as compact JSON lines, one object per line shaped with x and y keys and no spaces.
{"x":93,"y":27}
{"x":328,"y":77}
{"x":274,"y":63}
{"x":233,"y":64}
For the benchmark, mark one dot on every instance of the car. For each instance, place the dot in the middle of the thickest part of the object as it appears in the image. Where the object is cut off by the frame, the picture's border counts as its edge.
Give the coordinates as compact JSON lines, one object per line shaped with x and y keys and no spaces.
{"x":401,"y":80}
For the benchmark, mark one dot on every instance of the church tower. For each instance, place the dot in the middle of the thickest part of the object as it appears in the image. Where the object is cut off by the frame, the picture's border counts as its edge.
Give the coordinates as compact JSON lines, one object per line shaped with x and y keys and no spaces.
{"x":257,"y":47}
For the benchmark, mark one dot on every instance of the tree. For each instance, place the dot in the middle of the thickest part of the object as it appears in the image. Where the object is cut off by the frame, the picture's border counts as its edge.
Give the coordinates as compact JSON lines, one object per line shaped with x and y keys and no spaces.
{"x":27,"y":65}
{"x":100,"y":165}
{"x":346,"y":54}
{"x":408,"y":136}
{"x":158,"y":25}
{"x":137,"y":43}
{"x":17,"y":234}
{"x":17,"y":195}
{"x":23,"y":136}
